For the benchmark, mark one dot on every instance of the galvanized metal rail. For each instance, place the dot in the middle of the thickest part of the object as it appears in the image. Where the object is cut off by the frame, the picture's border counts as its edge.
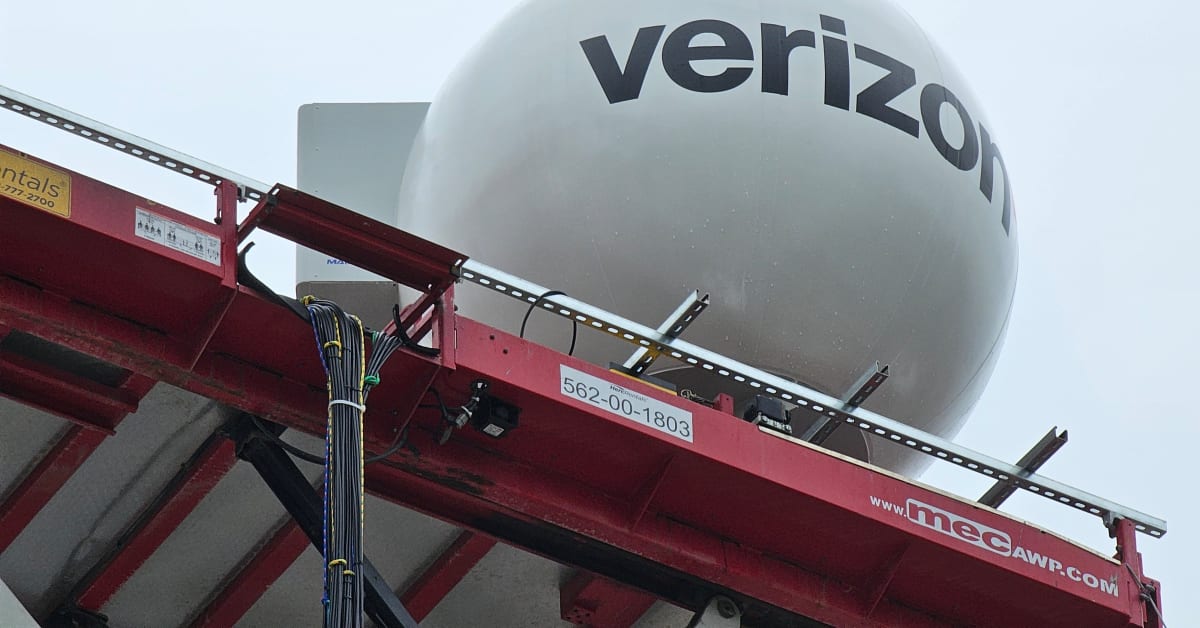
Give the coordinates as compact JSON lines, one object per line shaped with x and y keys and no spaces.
{"x":129,"y":143}
{"x":654,"y":341}
{"x":865,"y":420}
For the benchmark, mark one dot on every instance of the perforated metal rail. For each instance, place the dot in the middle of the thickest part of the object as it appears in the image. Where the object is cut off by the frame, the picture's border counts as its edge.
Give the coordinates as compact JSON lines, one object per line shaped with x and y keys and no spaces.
{"x":865,"y":420}
{"x":129,"y":143}
{"x":619,"y":327}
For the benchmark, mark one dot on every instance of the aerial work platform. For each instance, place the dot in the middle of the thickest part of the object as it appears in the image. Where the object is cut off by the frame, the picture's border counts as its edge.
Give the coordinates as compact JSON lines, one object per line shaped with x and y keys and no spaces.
{"x":693,"y":505}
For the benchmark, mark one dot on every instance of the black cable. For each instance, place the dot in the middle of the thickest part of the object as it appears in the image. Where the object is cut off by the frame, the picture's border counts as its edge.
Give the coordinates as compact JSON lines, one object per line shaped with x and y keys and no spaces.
{"x":400,"y":442}
{"x":247,"y":278}
{"x":408,"y":342}
{"x":532,"y":306}
{"x":1146,"y":594}
{"x":342,"y":345}
{"x":1150,"y":600}
{"x":290,"y":448}
{"x":352,"y":368}
{"x":396,"y":445}
{"x":441,"y":404}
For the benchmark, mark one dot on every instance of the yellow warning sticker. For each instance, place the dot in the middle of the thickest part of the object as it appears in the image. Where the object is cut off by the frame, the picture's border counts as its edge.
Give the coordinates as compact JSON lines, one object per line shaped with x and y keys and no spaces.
{"x":35,"y":185}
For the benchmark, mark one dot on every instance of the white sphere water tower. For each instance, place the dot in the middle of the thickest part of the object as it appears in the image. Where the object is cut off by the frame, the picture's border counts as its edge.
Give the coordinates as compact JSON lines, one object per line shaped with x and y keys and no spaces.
{"x":816,"y":165}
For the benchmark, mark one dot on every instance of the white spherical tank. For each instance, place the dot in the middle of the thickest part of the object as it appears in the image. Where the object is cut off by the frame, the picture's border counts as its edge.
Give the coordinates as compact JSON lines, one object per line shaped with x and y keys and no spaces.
{"x":815,"y":165}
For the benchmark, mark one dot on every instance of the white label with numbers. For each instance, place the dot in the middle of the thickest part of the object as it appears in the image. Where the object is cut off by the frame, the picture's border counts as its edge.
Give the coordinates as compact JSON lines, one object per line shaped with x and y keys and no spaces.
{"x":625,"y":403}
{"x":173,"y":235}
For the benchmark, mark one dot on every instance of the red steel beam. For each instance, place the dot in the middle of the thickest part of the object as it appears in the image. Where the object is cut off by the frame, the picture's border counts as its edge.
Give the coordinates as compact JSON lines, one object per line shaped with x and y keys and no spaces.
{"x":65,"y":395}
{"x":261,"y":362}
{"x":571,"y":481}
{"x":260,"y":341}
{"x":94,"y":410}
{"x":524,"y":490}
{"x":181,"y":496}
{"x":597,"y":602}
{"x":43,"y":481}
{"x":261,"y":570}
{"x":424,"y":594}
{"x":359,"y":240}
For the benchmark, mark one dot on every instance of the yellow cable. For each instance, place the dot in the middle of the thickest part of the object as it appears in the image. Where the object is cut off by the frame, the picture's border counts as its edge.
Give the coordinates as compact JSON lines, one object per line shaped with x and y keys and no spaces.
{"x":362,"y":480}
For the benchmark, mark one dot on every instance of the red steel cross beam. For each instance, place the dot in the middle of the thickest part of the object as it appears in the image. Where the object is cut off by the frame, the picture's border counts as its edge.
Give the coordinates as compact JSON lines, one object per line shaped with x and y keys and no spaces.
{"x":447,"y":571}
{"x":261,"y":570}
{"x":44,"y":480}
{"x":94,"y":411}
{"x":178,"y":499}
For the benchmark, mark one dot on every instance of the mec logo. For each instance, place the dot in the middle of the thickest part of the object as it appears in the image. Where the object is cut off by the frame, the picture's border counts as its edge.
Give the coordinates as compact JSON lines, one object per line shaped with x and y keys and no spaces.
{"x":958,"y":527}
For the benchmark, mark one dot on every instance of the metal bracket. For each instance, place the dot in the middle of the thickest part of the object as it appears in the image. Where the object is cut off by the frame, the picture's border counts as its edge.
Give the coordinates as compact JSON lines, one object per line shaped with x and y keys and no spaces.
{"x":678,"y":321}
{"x":793,"y":392}
{"x":868,"y":383}
{"x":1030,"y":462}
{"x":721,"y":612}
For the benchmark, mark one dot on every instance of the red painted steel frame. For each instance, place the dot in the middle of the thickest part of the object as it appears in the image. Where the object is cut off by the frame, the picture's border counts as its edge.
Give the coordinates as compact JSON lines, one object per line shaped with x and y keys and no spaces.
{"x":94,"y":409}
{"x":213,"y":462}
{"x":66,"y":395}
{"x":261,"y":570}
{"x":739,"y":511}
{"x":374,"y":246}
{"x":445,"y":573}
{"x":790,"y":525}
{"x":44,"y":480}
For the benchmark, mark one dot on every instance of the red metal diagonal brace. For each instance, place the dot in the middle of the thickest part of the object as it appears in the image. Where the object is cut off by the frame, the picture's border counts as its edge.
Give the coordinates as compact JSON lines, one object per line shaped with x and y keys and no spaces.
{"x":261,"y":570}
{"x":227,"y":202}
{"x":102,"y":408}
{"x":179,"y":499}
{"x":875,"y":592}
{"x":445,"y":573}
{"x":44,"y":480}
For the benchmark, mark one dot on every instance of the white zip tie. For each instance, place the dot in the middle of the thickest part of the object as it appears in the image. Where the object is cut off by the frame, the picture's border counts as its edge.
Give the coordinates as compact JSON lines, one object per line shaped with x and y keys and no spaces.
{"x":357,"y":406}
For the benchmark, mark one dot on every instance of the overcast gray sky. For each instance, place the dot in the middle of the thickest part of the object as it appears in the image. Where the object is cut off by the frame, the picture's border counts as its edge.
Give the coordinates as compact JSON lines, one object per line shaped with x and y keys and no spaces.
{"x":1092,"y":102}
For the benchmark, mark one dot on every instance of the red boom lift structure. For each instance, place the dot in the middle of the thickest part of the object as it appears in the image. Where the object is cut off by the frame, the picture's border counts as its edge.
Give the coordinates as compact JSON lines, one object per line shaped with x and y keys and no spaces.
{"x":788,"y":532}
